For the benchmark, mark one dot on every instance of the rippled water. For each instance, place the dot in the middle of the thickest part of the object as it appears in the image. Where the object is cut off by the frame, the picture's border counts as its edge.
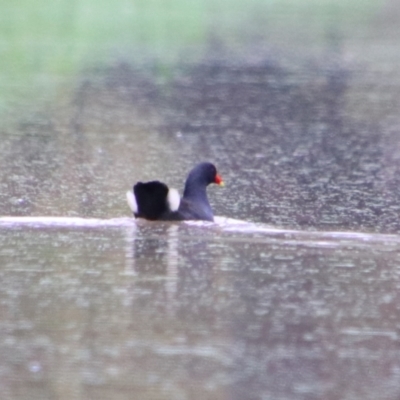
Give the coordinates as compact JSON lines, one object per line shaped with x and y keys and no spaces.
{"x":228,"y":310}
{"x":293,"y":292}
{"x":291,"y":145}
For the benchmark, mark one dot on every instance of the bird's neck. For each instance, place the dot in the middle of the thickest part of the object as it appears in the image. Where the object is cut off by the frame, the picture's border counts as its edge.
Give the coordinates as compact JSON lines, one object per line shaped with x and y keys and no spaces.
{"x":195,"y":192}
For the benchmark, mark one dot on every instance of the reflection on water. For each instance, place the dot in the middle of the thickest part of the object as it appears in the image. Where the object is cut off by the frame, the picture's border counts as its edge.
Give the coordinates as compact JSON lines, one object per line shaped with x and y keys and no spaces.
{"x":224,"y":311}
{"x":297,"y":105}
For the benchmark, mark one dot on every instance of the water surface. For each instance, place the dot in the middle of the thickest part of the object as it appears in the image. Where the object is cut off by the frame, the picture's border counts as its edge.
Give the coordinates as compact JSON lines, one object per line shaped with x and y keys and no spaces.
{"x":174,"y":310}
{"x":295,"y":296}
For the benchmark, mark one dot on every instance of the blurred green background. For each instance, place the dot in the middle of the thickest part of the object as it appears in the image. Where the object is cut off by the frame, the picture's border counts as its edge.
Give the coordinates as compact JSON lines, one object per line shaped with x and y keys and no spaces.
{"x":45,"y":45}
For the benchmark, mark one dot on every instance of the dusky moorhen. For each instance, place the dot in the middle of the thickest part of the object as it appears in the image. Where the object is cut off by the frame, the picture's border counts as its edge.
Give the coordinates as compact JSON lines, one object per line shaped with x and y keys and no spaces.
{"x":155,"y":201}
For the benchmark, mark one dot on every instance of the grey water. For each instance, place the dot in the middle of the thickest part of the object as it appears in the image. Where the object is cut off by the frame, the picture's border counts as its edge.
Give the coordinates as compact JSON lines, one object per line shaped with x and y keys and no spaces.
{"x":293,"y":292}
{"x":226,"y":310}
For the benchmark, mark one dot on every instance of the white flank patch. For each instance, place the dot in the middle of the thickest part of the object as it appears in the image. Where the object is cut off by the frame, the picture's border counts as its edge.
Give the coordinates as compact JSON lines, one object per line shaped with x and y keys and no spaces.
{"x":130,"y":197}
{"x":173,"y":199}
